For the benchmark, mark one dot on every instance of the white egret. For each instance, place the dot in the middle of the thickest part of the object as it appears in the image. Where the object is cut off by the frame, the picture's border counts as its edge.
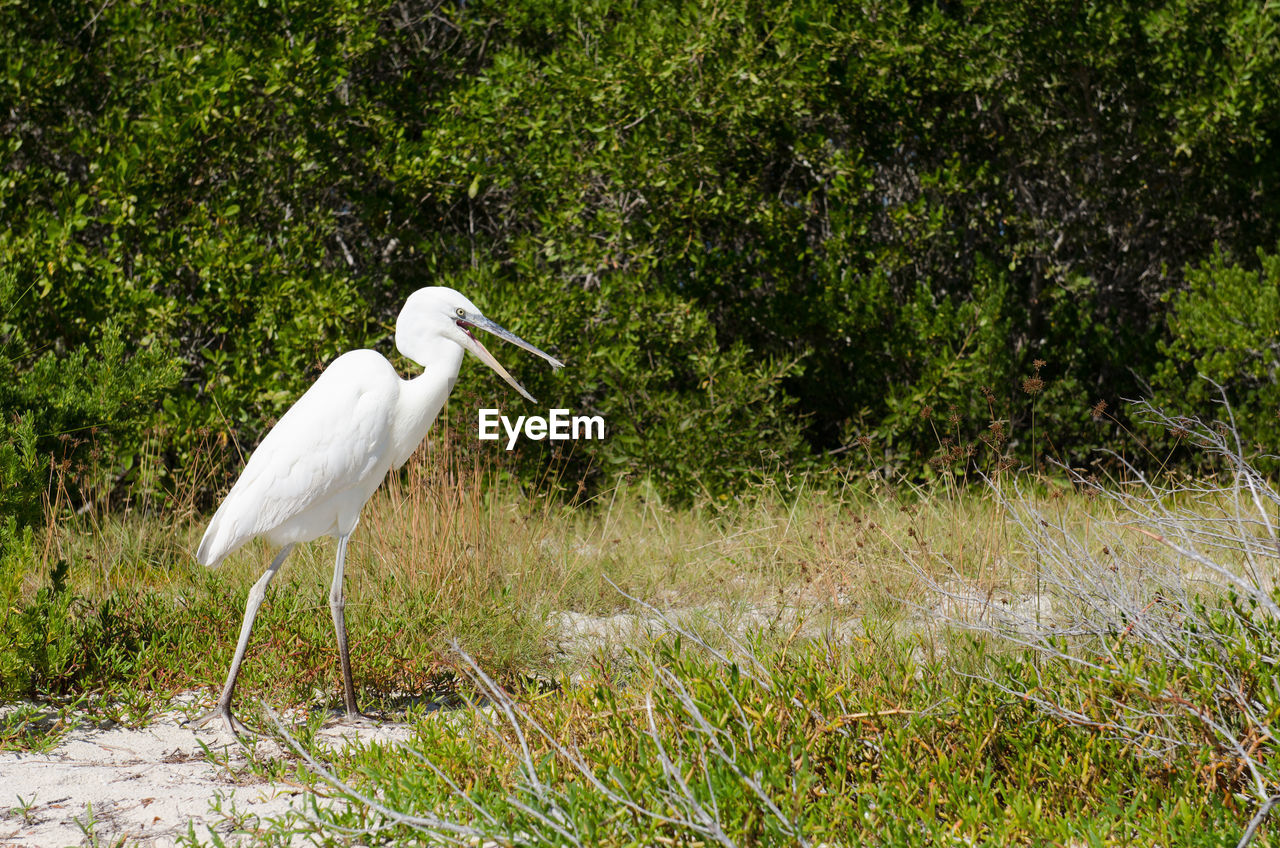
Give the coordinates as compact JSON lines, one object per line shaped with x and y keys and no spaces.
{"x":327,"y":455}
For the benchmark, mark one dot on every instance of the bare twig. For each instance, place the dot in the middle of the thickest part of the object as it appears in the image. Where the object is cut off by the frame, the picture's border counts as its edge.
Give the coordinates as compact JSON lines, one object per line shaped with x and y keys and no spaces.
{"x":1179,"y":625}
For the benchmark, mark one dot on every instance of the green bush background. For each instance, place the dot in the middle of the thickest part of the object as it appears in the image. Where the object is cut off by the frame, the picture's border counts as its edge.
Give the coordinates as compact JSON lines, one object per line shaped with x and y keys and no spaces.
{"x":758,"y":232}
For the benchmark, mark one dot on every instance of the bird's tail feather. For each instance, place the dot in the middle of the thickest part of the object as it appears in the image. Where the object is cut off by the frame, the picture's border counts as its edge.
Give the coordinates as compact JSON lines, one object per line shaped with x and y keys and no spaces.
{"x":213,"y":547}
{"x":204,"y":553}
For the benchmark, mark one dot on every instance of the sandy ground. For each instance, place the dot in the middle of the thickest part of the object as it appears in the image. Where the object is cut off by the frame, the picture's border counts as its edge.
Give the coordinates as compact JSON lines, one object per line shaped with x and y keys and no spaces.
{"x":146,"y":786}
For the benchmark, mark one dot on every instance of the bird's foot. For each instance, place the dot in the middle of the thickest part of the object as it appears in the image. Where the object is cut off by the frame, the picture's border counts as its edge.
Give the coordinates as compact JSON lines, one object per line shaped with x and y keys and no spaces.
{"x":233,"y":725}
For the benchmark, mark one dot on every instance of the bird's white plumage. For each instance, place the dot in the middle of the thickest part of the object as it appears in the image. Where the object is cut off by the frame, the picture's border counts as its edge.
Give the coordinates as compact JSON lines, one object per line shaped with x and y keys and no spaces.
{"x":318,"y":465}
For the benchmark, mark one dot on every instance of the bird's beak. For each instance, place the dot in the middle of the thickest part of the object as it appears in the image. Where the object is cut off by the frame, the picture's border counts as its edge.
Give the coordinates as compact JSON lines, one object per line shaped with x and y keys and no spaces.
{"x":473,"y":344}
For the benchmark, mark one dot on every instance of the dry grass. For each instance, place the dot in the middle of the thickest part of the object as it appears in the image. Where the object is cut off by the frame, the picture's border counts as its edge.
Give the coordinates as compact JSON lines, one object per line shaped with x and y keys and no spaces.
{"x":450,"y":549}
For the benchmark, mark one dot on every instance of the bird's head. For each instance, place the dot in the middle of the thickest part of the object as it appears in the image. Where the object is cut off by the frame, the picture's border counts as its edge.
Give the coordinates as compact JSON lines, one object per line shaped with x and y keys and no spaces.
{"x":440,"y":312}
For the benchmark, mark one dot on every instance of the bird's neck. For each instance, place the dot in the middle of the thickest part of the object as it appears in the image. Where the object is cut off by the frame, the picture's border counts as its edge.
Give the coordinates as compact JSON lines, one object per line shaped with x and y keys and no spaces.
{"x":422,"y":397}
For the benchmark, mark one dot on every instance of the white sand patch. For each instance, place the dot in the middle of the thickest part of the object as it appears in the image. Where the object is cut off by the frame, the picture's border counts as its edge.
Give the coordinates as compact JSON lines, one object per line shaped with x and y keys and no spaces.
{"x":147,"y":786}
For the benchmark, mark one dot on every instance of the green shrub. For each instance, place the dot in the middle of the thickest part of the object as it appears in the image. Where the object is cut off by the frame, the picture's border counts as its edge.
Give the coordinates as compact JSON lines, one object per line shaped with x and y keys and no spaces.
{"x":861,"y":214}
{"x":64,"y":410}
{"x":1224,"y":331}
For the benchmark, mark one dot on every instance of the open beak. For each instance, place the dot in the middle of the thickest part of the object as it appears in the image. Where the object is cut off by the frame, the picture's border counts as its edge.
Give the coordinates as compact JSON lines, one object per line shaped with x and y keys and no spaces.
{"x":484,"y":356}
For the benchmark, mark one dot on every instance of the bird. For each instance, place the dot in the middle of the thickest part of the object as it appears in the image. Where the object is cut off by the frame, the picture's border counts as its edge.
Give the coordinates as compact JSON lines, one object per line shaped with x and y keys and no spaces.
{"x":312,"y":473}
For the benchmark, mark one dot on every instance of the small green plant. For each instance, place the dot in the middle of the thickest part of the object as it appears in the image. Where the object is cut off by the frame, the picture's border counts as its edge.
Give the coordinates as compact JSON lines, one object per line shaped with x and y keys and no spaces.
{"x":24,"y":808}
{"x":37,"y":652}
{"x":88,"y":824}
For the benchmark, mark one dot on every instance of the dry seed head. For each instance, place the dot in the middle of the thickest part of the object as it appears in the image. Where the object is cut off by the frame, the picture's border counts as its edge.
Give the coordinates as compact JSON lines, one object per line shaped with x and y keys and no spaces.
{"x":1033,"y":385}
{"x":1099,"y":409}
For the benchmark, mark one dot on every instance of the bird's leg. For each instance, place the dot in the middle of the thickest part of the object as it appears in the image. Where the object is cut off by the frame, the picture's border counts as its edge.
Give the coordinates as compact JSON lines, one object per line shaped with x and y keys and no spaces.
{"x":337,"y":606}
{"x":256,"y":594}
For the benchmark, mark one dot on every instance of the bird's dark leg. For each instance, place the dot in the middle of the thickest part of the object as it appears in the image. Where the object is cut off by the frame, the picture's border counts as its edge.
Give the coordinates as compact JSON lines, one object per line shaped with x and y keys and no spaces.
{"x":337,"y":606}
{"x":256,"y":594}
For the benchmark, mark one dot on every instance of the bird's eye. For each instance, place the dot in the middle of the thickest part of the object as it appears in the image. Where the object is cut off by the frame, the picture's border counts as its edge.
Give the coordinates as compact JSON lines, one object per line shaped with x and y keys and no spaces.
{"x":462,"y":313}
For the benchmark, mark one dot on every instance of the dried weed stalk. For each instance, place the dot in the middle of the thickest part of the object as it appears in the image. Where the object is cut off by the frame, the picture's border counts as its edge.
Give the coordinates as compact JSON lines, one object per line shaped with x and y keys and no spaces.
{"x":1163,"y":605}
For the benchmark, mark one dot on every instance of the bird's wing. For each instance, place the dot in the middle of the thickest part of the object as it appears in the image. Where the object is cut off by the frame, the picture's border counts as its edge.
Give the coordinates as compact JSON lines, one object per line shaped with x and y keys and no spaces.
{"x":333,"y":438}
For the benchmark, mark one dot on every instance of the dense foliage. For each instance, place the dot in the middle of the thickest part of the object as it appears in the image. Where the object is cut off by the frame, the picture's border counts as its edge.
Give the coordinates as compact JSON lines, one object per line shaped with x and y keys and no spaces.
{"x":755,"y":231}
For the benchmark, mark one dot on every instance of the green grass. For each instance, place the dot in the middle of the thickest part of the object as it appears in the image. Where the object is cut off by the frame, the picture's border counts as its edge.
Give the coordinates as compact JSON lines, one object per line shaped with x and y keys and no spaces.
{"x":788,"y":684}
{"x":923,"y":755}
{"x":865,"y":746}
